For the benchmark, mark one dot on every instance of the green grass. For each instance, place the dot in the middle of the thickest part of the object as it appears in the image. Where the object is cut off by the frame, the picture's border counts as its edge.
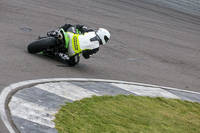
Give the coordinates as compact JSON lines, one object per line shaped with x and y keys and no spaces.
{"x":128,"y":114}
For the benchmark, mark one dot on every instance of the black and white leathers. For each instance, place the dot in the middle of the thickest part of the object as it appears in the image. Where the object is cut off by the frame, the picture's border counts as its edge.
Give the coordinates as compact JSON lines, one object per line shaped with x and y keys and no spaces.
{"x":88,"y":40}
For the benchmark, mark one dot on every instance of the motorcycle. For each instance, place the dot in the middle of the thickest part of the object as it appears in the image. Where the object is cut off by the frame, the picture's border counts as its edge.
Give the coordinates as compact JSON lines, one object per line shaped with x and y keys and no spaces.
{"x":49,"y":45}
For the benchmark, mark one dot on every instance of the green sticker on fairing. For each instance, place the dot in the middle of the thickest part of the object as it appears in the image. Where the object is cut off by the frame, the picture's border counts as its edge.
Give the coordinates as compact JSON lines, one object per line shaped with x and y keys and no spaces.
{"x":66,"y":38}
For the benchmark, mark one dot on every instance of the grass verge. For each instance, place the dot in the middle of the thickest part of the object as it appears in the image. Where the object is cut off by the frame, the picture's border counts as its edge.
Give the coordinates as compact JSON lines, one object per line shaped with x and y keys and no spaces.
{"x":128,"y":114}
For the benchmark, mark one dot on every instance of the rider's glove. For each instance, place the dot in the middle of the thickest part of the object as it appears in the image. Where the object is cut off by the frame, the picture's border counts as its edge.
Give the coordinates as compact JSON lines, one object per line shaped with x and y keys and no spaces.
{"x":83,"y":28}
{"x":62,"y":55}
{"x":79,"y":27}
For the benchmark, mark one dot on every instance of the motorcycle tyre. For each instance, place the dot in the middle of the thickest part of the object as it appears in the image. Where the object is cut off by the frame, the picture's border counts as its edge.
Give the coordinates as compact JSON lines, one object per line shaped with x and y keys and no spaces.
{"x":41,"y":45}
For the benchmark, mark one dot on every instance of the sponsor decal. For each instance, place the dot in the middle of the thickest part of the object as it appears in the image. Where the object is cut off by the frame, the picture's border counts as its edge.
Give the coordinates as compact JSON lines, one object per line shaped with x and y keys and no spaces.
{"x":75,"y":42}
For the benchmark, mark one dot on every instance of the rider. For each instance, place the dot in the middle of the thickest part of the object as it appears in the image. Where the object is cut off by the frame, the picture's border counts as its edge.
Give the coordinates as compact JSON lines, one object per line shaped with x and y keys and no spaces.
{"x":82,"y":40}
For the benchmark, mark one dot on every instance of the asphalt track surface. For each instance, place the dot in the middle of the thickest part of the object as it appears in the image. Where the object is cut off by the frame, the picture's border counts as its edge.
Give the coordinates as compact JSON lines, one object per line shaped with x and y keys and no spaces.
{"x":149,"y":44}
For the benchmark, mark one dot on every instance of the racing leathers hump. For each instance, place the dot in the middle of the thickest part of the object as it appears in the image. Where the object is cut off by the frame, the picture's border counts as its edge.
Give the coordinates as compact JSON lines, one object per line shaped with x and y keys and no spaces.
{"x":83,"y":43}
{"x":86,"y":43}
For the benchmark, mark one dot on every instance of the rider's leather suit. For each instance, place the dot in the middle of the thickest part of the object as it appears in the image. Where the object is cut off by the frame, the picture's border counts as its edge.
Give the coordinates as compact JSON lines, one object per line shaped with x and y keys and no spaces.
{"x":85,"y":42}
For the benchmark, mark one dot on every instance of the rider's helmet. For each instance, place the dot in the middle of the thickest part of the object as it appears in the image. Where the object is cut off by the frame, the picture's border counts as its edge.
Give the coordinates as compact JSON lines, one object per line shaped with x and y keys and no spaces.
{"x":104,"y":35}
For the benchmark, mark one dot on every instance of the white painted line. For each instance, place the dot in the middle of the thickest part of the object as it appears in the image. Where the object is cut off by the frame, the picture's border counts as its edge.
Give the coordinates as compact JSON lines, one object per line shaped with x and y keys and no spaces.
{"x":3,"y":115}
{"x":66,"y":90}
{"x":146,"y":91}
{"x":32,"y":112}
{"x":96,"y":91}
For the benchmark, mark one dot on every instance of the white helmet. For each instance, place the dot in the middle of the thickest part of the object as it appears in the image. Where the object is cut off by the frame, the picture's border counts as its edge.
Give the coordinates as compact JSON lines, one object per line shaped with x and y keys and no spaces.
{"x":104,"y":35}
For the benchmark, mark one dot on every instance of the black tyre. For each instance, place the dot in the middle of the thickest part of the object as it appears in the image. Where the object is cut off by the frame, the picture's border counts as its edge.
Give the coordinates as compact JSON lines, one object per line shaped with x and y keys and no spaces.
{"x":41,"y":45}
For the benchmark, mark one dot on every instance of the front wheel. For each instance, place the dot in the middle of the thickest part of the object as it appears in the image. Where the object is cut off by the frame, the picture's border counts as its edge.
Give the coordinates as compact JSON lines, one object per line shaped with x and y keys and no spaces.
{"x":41,"y":45}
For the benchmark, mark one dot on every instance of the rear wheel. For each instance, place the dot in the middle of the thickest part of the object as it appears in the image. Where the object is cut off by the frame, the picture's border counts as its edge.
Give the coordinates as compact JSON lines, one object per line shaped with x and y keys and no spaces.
{"x":41,"y":45}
